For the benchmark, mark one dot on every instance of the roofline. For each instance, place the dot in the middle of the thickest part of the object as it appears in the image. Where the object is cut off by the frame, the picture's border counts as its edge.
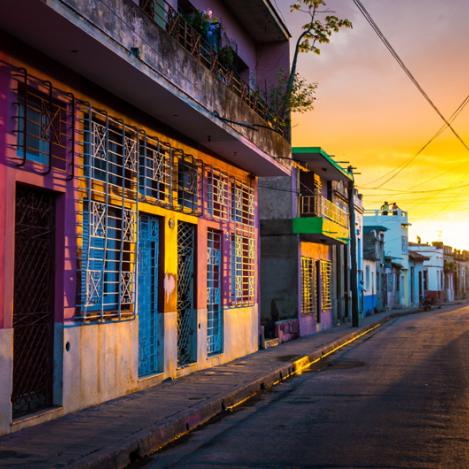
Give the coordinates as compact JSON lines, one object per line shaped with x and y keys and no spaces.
{"x":327,"y":157}
{"x":275,"y":13}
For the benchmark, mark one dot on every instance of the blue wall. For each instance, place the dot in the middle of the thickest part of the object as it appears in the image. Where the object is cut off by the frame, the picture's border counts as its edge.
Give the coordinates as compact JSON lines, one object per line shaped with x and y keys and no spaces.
{"x":370,"y":303}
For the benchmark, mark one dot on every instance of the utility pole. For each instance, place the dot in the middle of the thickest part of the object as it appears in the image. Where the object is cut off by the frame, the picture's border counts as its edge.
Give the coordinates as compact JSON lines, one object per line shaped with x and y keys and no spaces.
{"x":353,"y":249}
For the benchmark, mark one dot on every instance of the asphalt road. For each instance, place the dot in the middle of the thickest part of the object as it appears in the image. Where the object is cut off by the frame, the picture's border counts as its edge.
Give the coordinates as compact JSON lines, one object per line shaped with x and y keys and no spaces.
{"x":397,"y":399}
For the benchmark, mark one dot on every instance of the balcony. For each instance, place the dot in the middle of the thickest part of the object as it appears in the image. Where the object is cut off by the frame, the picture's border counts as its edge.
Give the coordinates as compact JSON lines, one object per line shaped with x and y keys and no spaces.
{"x":207,"y":51}
{"x":321,"y":220}
{"x":319,"y":206}
{"x":157,"y":63}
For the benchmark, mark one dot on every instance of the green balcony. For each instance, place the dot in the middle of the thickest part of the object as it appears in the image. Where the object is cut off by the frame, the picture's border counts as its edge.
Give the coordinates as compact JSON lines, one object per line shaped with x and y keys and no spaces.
{"x":321,"y":220}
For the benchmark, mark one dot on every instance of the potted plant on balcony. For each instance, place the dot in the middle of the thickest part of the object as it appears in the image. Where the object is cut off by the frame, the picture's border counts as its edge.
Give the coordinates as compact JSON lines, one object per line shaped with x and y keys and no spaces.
{"x":227,"y":57}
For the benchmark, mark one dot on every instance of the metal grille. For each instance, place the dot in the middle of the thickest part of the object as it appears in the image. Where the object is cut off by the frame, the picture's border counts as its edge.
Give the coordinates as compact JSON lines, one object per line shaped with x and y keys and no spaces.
{"x":242,"y":203}
{"x":206,"y":50}
{"x":186,"y":315}
{"x":309,"y":286}
{"x":217,"y":194}
{"x":108,"y":235}
{"x":187,"y":195}
{"x":242,"y":269}
{"x":43,"y":118}
{"x":33,"y":309}
{"x":326,"y":280}
{"x":214,"y":289}
{"x":148,"y":270}
{"x":155,"y":177}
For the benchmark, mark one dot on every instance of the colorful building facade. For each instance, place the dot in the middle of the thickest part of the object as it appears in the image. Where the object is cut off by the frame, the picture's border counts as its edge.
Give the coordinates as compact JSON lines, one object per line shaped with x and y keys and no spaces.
{"x":301,"y":221}
{"x":433,"y":271}
{"x":129,"y":213}
{"x":396,"y":252}
{"x":374,"y":274}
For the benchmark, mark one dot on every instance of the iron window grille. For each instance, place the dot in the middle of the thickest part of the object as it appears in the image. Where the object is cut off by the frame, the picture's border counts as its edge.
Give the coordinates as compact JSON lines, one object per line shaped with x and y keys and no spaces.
{"x":108,"y":276}
{"x":155,"y":178}
{"x":242,"y":203}
{"x":42,"y":121}
{"x":326,"y":284}
{"x":217,"y":194}
{"x":110,"y":151}
{"x":108,"y":189}
{"x":187,"y":193}
{"x":309,"y":294}
{"x":242,"y":270}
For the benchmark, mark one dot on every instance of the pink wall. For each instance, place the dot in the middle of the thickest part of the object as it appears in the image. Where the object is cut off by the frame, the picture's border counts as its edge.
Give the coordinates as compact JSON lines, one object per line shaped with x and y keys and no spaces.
{"x":10,"y":176}
{"x":246,"y":47}
{"x":272,"y":59}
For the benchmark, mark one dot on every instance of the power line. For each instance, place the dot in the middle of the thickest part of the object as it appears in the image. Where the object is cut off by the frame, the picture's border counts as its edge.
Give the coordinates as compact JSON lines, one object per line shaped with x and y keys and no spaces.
{"x":406,"y":70}
{"x":394,"y":172}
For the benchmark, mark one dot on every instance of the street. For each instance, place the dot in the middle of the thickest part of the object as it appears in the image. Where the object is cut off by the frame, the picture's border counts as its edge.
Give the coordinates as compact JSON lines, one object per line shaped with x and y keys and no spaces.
{"x":396,"y":399}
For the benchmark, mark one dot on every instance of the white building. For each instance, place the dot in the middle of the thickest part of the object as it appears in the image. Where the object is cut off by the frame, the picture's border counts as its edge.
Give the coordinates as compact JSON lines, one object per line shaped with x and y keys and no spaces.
{"x":433,"y":273}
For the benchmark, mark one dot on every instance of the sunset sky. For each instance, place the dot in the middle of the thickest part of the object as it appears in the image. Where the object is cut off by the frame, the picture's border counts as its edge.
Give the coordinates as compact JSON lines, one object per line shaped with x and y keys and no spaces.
{"x":369,"y":113}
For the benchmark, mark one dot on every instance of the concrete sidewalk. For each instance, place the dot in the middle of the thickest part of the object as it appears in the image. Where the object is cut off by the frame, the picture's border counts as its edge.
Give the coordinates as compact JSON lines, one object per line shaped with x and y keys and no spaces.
{"x":121,"y":431}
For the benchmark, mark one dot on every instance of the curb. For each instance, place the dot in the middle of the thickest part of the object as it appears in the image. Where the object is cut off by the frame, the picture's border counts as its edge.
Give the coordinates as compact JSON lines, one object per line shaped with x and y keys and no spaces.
{"x":152,"y":439}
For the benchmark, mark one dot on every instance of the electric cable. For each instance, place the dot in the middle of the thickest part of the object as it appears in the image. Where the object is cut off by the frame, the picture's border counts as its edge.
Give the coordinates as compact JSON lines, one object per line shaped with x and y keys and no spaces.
{"x":396,"y":171}
{"x":406,"y":70}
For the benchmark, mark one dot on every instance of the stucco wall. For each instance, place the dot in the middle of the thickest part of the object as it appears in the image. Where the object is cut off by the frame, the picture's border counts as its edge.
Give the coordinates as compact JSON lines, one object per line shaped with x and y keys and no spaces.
{"x":96,"y":361}
{"x":277,"y":197}
{"x":279,"y":277}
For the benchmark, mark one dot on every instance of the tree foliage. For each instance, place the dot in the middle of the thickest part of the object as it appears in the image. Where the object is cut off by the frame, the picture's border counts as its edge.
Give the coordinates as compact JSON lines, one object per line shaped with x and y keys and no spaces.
{"x":302,"y":95}
{"x":318,"y":30}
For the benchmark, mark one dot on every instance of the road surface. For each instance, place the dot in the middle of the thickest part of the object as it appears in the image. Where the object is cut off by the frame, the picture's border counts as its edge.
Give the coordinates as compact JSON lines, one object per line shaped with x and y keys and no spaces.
{"x":397,"y":399}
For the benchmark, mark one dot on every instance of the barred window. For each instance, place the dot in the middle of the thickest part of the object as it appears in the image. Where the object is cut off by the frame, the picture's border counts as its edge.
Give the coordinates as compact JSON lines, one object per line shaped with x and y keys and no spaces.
{"x":107,"y":274}
{"x":309,"y":286}
{"x":242,"y":269}
{"x":326,"y":283}
{"x":155,"y":174}
{"x":188,"y":179}
{"x":242,"y":203}
{"x":41,"y":127}
{"x":110,"y":151}
{"x":217,"y":194}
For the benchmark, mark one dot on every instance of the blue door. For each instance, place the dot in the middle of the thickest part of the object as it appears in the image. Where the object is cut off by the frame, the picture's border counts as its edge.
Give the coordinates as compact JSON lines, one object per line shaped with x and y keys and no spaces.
{"x":214,"y":301}
{"x":148,"y":329}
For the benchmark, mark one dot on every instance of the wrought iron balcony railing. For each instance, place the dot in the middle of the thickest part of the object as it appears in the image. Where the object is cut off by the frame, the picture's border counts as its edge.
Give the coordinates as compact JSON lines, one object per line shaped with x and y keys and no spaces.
{"x":317,"y":205}
{"x":206,"y":50}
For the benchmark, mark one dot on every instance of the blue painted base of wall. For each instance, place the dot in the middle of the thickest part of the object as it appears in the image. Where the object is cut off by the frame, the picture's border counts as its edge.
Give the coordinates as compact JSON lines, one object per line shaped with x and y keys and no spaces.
{"x":370,"y":302}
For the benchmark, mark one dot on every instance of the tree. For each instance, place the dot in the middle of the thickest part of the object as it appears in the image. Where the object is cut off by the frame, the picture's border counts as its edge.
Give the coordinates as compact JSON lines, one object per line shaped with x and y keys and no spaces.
{"x":318,"y":30}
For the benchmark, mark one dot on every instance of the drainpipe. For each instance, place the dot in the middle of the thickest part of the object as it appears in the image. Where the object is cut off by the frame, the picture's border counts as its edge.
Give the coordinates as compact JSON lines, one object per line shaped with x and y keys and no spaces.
{"x":353,"y":250}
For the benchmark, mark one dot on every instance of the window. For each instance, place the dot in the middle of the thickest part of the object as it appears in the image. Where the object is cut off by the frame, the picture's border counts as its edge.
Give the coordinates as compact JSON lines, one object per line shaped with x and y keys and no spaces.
{"x":188,"y":182}
{"x":242,"y":203}
{"x":326,"y":279}
{"x":404,"y":244}
{"x":110,"y":151}
{"x":154,"y":171}
{"x":309,"y":286}
{"x":242,"y":269}
{"x":217,"y":194}
{"x":107,"y":271}
{"x":41,"y":127}
{"x":367,"y":278}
